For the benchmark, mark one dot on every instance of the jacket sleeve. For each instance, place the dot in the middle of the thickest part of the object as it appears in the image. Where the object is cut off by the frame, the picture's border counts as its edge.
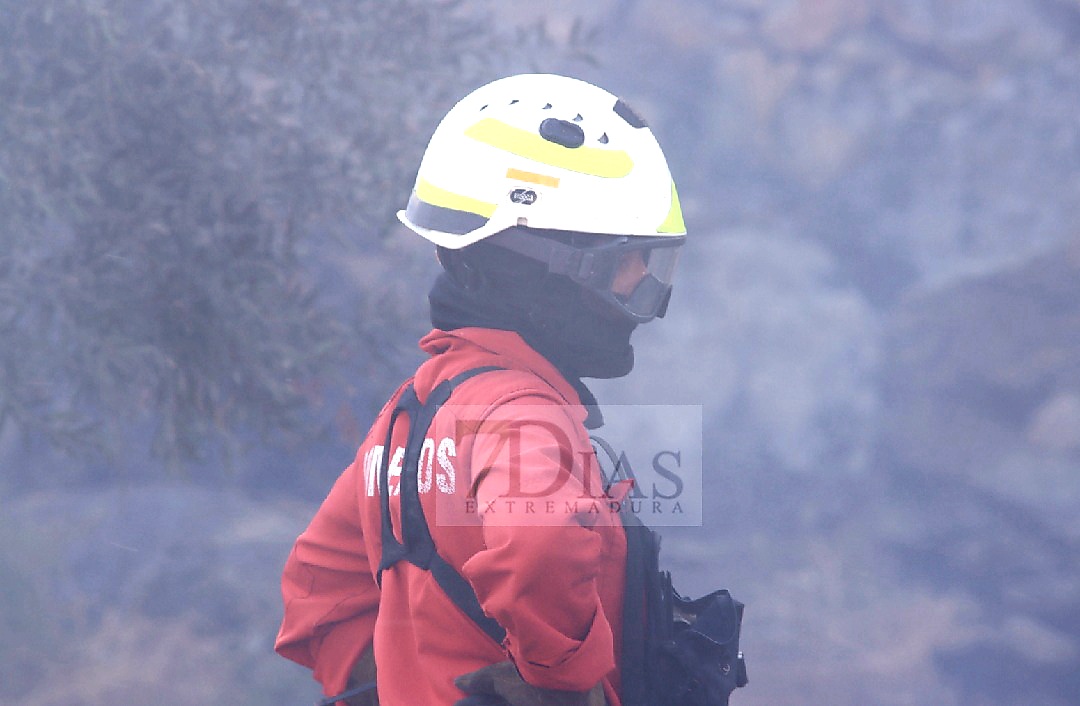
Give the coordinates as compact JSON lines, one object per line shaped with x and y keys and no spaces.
{"x":331,"y":599}
{"x":537,"y":574}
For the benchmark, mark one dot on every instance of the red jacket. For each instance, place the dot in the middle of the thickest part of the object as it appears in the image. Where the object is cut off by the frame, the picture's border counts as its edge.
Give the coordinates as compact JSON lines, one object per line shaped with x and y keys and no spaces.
{"x":519,"y":514}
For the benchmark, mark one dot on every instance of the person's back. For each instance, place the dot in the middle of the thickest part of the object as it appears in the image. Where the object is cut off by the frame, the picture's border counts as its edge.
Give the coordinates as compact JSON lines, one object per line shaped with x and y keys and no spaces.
{"x":557,"y":224}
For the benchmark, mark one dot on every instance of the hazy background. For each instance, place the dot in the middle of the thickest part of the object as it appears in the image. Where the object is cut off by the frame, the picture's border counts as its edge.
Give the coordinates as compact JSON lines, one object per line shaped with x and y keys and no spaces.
{"x":204,"y":299}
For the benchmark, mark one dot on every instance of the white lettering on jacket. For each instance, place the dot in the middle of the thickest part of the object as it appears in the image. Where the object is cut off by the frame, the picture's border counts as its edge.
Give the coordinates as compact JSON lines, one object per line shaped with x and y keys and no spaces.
{"x":427,"y":456}
{"x":447,"y":478}
{"x":431,"y":454}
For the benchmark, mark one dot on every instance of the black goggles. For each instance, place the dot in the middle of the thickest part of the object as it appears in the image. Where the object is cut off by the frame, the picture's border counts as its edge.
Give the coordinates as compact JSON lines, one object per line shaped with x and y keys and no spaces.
{"x":632,"y":273}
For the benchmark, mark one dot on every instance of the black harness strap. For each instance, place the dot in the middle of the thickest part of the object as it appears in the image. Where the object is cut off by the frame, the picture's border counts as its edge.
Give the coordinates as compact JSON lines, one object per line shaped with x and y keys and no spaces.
{"x":638,"y":624}
{"x":416,"y":545}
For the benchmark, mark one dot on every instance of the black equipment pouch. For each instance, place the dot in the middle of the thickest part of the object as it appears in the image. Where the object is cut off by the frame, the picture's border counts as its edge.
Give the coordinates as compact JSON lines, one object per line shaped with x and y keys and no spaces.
{"x":676,"y":651}
{"x":699,"y":661}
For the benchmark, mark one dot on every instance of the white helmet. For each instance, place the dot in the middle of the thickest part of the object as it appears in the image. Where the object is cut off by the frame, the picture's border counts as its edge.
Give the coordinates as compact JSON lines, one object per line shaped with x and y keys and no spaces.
{"x":550,"y":153}
{"x":544,"y":151}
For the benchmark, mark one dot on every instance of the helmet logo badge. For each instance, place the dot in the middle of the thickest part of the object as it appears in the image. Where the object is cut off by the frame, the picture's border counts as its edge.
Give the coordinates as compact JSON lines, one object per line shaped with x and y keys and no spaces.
{"x":525,"y":197}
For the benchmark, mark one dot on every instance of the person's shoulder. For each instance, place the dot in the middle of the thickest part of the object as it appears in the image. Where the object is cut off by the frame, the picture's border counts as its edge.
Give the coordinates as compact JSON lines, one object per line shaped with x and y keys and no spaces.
{"x":392,"y":399}
{"x":517,"y":396}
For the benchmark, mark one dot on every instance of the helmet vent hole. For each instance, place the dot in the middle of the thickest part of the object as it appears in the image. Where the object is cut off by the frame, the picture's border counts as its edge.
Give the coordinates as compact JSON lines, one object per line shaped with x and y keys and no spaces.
{"x":604,"y":139}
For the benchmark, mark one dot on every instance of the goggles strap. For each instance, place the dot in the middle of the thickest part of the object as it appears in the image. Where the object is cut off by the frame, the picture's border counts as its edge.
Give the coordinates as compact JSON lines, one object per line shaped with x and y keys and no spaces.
{"x":561,"y":259}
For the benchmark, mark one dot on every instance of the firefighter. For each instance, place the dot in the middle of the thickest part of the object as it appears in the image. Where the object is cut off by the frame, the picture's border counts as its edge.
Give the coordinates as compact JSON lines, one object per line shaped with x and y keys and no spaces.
{"x":460,"y":558}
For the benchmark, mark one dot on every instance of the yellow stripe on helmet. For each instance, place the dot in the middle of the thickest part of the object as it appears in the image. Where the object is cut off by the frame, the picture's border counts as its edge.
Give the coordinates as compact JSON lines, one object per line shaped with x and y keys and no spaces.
{"x":429,"y":193}
{"x":674,"y":221}
{"x":593,"y":161}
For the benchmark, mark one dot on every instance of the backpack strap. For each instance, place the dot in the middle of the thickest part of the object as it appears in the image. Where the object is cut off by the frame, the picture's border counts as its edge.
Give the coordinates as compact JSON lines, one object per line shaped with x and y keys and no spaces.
{"x":640,"y":599}
{"x":416,"y":545}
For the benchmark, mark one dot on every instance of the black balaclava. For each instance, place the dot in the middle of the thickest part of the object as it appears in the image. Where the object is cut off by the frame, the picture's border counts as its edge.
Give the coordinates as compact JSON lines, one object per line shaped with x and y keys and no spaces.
{"x":487,"y":286}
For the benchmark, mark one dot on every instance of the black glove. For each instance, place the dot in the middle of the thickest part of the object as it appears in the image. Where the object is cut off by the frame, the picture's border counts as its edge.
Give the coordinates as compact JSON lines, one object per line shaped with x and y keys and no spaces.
{"x":501,"y":684}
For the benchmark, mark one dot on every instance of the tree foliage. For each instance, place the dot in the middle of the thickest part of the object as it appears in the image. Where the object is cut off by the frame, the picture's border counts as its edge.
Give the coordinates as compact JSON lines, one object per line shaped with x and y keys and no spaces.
{"x":167,"y":170}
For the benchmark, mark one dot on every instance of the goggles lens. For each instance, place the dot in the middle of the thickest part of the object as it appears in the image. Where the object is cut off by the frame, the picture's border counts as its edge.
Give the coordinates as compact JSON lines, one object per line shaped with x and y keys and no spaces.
{"x":642,"y":281}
